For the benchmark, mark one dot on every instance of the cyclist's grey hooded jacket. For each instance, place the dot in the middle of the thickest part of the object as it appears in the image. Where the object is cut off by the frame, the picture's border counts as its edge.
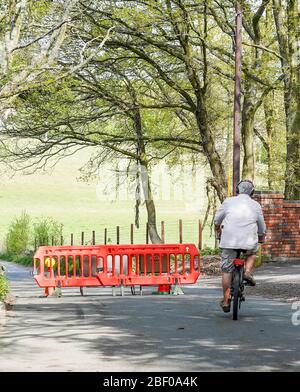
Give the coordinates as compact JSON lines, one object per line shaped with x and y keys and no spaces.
{"x":243,"y":221}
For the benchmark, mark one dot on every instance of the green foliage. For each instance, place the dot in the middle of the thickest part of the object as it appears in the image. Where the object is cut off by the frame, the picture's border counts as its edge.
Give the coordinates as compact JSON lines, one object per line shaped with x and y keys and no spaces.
{"x":26,"y":260}
{"x":156,"y":70}
{"x":46,"y":230}
{"x":207,"y":251}
{"x":4,"y":288}
{"x":22,"y":237}
{"x":175,"y":56}
{"x":18,"y":237}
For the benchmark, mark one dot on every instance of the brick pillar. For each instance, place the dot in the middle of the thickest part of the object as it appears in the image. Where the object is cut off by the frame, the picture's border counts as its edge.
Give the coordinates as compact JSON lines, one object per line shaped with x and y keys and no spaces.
{"x":283,"y":226}
{"x":272,"y":205}
{"x":291,"y":229}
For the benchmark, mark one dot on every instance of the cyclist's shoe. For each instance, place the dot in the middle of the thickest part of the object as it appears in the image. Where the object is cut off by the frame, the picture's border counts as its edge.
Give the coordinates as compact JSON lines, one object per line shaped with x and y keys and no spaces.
{"x":226,"y":308}
{"x":248,"y":278}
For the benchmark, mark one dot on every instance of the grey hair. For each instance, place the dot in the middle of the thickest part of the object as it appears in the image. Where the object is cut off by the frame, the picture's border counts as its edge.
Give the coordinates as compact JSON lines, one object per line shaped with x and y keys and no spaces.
{"x":246,"y":187}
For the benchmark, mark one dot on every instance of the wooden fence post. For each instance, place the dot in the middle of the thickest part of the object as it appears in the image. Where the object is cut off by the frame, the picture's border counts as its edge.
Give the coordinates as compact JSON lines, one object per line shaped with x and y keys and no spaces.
{"x":118,"y":235}
{"x":163,"y":231}
{"x":147,"y":233}
{"x":93,"y":237}
{"x":82,"y":238}
{"x":199,"y":234}
{"x":131,"y":233}
{"x":180,"y":231}
{"x":72,"y":239}
{"x":105,"y":236}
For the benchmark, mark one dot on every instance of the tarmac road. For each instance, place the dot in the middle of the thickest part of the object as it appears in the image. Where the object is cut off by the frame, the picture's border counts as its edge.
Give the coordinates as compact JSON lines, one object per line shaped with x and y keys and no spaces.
{"x":99,"y":332}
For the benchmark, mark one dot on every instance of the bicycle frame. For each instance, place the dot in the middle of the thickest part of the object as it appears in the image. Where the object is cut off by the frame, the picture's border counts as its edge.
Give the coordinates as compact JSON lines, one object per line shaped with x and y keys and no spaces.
{"x":237,"y":285}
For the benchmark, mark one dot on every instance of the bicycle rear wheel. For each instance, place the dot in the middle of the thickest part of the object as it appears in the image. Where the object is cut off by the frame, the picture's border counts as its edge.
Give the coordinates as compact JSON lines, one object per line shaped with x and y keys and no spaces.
{"x":236,"y":295}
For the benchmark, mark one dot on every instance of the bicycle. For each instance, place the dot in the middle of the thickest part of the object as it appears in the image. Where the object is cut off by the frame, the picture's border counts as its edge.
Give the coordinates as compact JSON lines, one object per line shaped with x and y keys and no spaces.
{"x":238,"y":284}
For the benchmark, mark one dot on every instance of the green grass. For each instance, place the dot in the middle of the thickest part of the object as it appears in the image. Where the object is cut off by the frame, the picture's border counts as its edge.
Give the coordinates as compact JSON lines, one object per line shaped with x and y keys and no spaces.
{"x":75,"y":204}
{"x":24,"y":260}
{"x":4,"y":288}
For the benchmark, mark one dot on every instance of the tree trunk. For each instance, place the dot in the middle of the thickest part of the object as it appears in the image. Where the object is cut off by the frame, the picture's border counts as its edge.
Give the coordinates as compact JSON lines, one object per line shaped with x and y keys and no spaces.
{"x":206,"y":137}
{"x":150,"y":206}
{"x":288,"y":42}
{"x":212,"y":155}
{"x":253,"y":94}
{"x":248,"y":145}
{"x":247,"y":131}
{"x":269,"y":118}
{"x":292,"y":174}
{"x":145,"y":179}
{"x":292,"y":184}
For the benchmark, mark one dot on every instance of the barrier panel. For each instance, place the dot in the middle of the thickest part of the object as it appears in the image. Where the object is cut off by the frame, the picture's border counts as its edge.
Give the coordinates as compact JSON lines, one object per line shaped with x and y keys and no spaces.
{"x":116,"y":265}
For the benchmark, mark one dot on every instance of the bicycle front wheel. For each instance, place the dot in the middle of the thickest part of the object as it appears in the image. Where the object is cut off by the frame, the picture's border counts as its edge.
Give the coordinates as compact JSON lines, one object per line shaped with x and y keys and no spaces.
{"x":236,"y":295}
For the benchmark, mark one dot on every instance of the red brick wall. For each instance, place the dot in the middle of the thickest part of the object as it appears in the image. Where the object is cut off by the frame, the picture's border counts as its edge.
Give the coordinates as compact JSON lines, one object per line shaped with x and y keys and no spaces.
{"x":283,"y":225}
{"x":291,"y":229}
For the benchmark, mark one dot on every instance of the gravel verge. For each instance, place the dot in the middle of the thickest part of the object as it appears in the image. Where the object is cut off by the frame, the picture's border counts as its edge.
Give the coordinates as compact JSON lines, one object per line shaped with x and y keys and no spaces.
{"x":276,"y":280}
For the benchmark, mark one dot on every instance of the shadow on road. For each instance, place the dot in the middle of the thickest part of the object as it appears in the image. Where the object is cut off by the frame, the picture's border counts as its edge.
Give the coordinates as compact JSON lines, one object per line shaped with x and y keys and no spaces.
{"x":99,"y":332}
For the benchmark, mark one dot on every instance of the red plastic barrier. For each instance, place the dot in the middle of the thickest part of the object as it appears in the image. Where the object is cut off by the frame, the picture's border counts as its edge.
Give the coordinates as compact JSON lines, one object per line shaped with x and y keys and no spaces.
{"x":116,"y":265}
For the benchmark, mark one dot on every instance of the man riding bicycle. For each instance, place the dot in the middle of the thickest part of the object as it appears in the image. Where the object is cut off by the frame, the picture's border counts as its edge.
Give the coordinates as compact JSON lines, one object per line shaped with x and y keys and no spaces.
{"x":244,"y":227}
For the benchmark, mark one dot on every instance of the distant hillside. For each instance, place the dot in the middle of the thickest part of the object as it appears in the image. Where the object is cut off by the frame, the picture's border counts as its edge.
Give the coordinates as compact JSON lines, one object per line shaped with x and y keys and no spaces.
{"x":84,"y":207}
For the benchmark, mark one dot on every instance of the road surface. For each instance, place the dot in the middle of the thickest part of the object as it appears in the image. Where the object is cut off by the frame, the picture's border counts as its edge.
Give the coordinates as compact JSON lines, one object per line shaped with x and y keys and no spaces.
{"x":99,"y":332}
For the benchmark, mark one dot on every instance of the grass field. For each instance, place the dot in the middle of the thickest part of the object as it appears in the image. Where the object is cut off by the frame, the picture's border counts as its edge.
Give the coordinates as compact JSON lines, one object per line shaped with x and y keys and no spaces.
{"x":77,"y":205}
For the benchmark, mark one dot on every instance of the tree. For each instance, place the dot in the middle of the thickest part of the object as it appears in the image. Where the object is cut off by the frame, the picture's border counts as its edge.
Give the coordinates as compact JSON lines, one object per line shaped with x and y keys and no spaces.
{"x":160,"y":59}
{"x":286,"y":18}
{"x":174,"y":57}
{"x":31,"y":36}
{"x":259,"y":66}
{"x":54,"y":121}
